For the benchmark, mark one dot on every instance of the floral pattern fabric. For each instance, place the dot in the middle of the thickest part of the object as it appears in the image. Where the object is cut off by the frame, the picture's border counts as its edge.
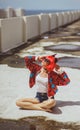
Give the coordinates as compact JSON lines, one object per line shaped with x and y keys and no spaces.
{"x":54,"y":79}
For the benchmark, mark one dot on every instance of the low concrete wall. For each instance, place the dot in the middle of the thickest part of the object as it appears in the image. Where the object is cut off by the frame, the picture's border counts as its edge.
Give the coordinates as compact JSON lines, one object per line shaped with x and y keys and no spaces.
{"x":53,"y":21}
{"x":69,"y":17}
{"x":59,"y":19}
{"x":76,"y":15}
{"x":16,"y":31}
{"x":44,"y":23}
{"x":72,"y":16}
{"x":11,"y":33}
{"x":79,"y":14}
{"x":31,"y":27}
{"x":65,"y":18}
{"x":0,"y":34}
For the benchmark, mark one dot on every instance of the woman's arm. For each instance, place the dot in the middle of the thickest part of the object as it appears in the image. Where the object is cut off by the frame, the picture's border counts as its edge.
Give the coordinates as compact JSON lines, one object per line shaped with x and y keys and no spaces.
{"x":62,"y":77}
{"x":59,"y":77}
{"x":30,"y":63}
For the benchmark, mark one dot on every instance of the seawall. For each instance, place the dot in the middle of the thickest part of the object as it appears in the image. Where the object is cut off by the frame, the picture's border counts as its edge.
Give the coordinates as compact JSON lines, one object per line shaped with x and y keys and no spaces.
{"x":16,"y":31}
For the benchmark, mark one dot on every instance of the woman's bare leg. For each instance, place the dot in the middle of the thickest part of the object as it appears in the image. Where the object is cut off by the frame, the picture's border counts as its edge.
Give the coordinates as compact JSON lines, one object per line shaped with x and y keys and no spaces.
{"x":34,"y":104}
{"x":32,"y":100}
{"x":29,"y":103}
{"x":48,"y":104}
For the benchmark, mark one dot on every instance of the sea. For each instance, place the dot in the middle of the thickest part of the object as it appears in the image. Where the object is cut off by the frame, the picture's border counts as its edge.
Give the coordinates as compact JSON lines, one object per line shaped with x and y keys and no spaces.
{"x":36,"y":12}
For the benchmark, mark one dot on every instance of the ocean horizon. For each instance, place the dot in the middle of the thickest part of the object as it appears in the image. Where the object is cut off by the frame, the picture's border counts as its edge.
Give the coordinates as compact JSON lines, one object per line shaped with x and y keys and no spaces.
{"x":35,"y":12}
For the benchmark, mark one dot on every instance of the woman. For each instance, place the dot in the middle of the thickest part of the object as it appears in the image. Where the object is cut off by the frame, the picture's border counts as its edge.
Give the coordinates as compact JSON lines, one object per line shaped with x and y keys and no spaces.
{"x":46,"y":77}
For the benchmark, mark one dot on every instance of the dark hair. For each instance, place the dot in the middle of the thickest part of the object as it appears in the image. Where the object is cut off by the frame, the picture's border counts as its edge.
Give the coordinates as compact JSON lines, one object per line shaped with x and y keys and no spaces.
{"x":46,"y":70}
{"x":47,"y":60}
{"x":56,"y":60}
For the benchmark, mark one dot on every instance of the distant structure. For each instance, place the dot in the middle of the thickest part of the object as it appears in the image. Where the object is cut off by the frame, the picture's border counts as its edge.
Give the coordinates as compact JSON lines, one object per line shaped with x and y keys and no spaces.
{"x":10,"y":12}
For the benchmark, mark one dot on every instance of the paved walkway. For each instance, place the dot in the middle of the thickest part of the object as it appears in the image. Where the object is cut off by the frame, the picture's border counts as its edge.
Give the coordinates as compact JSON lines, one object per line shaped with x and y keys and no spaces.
{"x":14,"y":84}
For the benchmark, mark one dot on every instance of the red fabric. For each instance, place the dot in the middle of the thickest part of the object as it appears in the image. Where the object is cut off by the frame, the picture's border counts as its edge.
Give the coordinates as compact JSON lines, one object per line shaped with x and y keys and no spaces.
{"x":54,"y":79}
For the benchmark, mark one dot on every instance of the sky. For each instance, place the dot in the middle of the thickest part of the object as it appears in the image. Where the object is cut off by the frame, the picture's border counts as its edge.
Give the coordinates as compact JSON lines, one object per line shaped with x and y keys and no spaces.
{"x":41,"y":4}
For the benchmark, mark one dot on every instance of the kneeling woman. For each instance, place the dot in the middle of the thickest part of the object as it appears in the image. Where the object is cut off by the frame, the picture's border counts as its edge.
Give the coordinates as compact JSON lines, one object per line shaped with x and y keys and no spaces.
{"x":46,"y":77}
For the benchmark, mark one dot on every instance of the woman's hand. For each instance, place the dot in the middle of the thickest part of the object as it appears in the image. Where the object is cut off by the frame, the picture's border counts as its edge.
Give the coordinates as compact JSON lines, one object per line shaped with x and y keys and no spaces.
{"x":57,"y":67}
{"x":40,"y":58}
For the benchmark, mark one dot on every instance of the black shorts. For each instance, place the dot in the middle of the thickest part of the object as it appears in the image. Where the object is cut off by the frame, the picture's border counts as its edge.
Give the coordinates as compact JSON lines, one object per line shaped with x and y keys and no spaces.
{"x":42,"y":96}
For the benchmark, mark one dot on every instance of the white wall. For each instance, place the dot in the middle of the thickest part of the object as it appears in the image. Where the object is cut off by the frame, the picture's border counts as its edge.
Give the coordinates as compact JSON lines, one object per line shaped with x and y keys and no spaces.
{"x":65,"y":18}
{"x":16,"y":31}
{"x":72,"y":16}
{"x":44,"y":23}
{"x":31,"y":27}
{"x":59,"y":19}
{"x":0,"y":34}
{"x":78,"y":14}
{"x":53,"y":21}
{"x":11,"y":33}
{"x":69,"y":17}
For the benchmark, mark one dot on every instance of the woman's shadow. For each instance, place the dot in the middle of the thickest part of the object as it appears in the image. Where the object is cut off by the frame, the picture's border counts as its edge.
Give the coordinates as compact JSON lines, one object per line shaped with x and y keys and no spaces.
{"x":57,"y":110}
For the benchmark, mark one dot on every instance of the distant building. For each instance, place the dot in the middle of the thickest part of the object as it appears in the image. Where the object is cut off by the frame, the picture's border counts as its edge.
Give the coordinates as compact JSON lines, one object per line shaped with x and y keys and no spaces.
{"x":10,"y":12}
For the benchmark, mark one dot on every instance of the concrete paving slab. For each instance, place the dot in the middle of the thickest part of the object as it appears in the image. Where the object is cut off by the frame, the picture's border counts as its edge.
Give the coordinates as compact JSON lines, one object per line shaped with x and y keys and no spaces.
{"x":16,"y":86}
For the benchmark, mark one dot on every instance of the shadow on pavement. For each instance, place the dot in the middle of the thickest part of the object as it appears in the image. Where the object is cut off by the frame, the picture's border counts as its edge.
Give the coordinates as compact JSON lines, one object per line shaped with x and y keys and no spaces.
{"x":63,"y":47}
{"x":72,"y":62}
{"x":13,"y":61}
{"x":57,"y":110}
{"x":18,"y":62}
